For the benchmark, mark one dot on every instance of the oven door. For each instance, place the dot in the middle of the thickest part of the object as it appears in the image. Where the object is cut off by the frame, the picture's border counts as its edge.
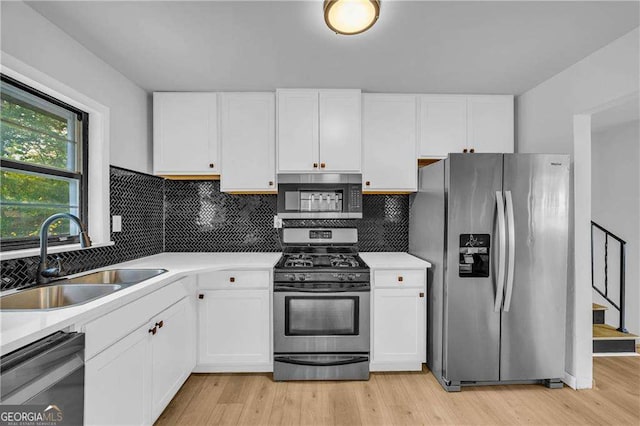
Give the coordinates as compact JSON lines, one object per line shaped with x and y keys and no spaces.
{"x":323,"y":322}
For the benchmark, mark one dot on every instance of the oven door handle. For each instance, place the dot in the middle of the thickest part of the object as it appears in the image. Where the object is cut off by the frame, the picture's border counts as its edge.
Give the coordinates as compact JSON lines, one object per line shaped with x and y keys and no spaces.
{"x":281,"y":288}
{"x":321,"y":290}
{"x":306,"y":361}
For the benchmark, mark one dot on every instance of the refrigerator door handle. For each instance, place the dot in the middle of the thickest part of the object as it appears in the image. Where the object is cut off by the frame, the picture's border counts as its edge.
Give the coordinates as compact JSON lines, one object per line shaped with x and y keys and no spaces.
{"x":512,"y":251}
{"x":502,"y":244}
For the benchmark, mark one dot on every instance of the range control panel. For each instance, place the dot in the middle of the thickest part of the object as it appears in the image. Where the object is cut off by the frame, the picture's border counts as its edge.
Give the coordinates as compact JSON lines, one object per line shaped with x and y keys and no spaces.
{"x":474,"y":255}
{"x":323,"y":234}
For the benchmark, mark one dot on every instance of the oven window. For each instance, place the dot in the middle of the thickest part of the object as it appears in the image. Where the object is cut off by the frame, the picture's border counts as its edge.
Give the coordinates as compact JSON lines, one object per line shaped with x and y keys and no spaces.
{"x":321,"y":315}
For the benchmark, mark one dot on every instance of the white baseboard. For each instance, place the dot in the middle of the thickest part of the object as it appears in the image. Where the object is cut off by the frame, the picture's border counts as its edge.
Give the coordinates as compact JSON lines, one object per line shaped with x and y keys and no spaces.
{"x":577,"y":382}
{"x":615,"y":354}
{"x":395,"y":366}
{"x":234,"y":368}
{"x":570,"y":380}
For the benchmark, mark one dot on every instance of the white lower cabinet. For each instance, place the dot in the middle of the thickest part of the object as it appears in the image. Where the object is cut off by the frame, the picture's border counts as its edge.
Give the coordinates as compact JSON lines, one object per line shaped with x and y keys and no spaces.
{"x":234,"y":330}
{"x":118,"y":383}
{"x":399,"y":335}
{"x":173,"y":352}
{"x":134,"y":378}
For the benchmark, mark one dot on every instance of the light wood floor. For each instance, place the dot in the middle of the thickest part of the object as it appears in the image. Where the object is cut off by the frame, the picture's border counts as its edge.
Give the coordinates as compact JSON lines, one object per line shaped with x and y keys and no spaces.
{"x":405,"y":398}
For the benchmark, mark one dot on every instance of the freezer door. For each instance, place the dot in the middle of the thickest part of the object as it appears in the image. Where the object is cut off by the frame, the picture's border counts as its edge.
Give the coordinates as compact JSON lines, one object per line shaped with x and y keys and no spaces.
{"x":533,"y":321}
{"x":472,"y":327}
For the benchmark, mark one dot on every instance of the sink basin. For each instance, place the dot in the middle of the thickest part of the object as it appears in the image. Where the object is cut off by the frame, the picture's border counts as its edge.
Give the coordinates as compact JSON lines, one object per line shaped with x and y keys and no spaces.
{"x":115,"y":276}
{"x":56,"y":296}
{"x":77,"y":290}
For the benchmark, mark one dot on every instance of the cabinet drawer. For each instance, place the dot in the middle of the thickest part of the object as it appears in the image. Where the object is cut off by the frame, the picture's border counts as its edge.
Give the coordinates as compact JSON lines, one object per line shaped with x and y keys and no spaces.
{"x":110,"y":328}
{"x":231,"y":279}
{"x":399,"y":278}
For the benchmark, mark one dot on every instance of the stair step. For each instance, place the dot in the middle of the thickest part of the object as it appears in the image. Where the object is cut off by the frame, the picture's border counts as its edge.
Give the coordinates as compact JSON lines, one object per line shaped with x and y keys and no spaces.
{"x":597,"y":316}
{"x":596,"y":307}
{"x":607,"y":332}
{"x":608,"y":340}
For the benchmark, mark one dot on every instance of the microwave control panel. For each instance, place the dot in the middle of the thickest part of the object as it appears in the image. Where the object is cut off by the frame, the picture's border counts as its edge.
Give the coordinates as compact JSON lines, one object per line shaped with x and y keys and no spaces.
{"x":355,"y":195}
{"x":474,"y":255}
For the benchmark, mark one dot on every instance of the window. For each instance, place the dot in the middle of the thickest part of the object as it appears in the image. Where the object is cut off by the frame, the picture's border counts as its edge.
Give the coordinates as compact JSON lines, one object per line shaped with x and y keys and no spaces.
{"x":43,"y":165}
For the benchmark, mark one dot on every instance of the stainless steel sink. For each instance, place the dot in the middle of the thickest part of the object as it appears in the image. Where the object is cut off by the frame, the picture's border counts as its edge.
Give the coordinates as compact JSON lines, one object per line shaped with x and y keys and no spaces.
{"x":77,"y":290}
{"x":56,"y":296}
{"x":115,"y":276}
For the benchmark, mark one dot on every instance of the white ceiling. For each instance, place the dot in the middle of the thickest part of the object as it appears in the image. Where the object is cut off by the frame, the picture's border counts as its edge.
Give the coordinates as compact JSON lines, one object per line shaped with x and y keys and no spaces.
{"x":419,"y":46}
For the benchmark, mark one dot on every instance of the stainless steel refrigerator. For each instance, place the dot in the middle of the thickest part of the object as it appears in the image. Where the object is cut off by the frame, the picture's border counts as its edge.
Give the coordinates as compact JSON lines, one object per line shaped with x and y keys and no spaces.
{"x":495,"y":228}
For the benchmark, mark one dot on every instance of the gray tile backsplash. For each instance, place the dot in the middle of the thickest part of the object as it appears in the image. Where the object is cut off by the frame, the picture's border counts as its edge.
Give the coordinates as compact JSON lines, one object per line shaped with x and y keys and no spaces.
{"x":174,"y":215}
{"x":138,"y":198}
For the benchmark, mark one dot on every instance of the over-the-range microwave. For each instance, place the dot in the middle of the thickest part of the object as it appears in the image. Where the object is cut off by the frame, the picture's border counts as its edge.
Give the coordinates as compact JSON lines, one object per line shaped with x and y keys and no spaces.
{"x":320,"y":196}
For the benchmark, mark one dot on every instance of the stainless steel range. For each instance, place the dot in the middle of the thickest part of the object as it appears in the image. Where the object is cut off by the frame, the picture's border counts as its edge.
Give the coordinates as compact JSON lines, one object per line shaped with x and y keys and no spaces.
{"x":321,"y":307}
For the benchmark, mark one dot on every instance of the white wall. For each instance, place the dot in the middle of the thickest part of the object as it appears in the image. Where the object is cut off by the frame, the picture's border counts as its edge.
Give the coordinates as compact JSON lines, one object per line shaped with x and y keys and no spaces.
{"x":545,"y":123}
{"x":32,"y":39}
{"x":544,"y":113}
{"x":615,"y":204}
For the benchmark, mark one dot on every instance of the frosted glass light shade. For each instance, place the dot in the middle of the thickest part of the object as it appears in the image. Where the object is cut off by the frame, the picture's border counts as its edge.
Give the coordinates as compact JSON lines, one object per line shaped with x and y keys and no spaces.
{"x":351,"y":16}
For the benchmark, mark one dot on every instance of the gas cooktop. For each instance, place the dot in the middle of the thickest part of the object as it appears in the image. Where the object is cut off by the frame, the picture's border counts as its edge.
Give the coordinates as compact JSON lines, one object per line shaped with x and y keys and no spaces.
{"x":320,"y":256}
{"x":320,"y":260}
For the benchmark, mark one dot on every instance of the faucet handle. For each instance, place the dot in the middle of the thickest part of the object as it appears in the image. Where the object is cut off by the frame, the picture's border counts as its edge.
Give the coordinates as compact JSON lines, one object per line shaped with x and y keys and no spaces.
{"x":55,"y":271}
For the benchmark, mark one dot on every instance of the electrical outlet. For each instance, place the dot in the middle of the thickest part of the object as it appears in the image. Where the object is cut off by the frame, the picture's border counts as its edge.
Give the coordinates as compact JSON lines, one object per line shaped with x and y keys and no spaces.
{"x":116,"y":223}
{"x":277,"y":222}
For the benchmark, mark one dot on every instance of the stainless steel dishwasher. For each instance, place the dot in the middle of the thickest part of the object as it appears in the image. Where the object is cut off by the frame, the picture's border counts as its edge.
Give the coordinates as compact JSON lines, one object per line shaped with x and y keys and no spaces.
{"x":47,"y":373}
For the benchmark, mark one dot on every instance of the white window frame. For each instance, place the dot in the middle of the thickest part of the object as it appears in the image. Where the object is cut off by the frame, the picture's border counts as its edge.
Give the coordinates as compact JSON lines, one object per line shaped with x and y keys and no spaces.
{"x":98,"y":178}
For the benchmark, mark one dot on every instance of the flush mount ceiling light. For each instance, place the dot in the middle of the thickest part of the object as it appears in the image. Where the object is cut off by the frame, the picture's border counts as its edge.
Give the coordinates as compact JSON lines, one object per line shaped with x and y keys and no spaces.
{"x":350,"y":17}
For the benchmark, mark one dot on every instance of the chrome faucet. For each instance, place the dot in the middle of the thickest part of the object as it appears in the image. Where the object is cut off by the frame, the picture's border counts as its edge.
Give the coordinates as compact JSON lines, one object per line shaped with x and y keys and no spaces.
{"x":45,"y":273}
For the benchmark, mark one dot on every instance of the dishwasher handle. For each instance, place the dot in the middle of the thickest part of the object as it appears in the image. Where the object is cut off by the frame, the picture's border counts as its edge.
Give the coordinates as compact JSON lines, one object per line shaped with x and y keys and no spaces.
{"x":31,"y":368}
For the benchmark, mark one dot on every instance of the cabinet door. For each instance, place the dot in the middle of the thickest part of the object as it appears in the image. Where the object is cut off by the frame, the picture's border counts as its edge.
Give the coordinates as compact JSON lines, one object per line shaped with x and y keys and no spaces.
{"x":340,"y":129}
{"x":185,"y":133}
{"x":118,"y":383}
{"x":298,"y":130}
{"x":234,"y":327}
{"x":172,"y":352}
{"x":443,"y":125}
{"x":389,"y":143}
{"x":399,"y":329}
{"x":248,"y":142}
{"x":490,"y":123}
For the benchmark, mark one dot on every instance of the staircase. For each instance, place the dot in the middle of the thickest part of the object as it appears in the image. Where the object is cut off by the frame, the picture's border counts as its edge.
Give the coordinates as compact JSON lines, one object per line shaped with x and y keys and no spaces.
{"x":606,"y":338}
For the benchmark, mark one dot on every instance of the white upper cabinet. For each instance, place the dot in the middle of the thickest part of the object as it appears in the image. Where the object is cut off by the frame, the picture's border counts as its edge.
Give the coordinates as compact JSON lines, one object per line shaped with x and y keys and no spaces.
{"x":318,"y":130}
{"x":340,"y":128}
{"x":389,"y":143}
{"x":465,"y":123}
{"x":298,"y":136}
{"x":185,"y":133}
{"x":490,"y":123}
{"x":247,"y":128}
{"x":443,"y":124}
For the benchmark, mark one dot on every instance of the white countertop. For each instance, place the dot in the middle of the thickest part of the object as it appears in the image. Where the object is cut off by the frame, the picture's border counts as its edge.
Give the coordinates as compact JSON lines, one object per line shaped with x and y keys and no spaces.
{"x":393,"y":260}
{"x":19,"y":328}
